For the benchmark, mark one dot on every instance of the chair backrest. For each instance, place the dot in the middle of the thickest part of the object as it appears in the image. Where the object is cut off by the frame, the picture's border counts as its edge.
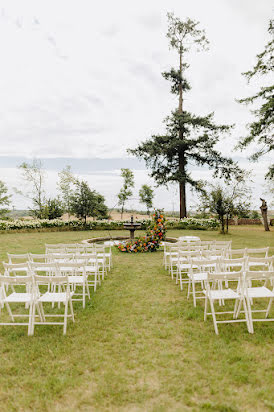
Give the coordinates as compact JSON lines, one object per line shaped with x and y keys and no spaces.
{"x":225,"y":276}
{"x":260,"y":261}
{"x":72,"y":268}
{"x":10,"y":268}
{"x":55,"y":250}
{"x":18,"y":258}
{"x":262,"y":251}
{"x":207,"y":242}
{"x":228,"y":264}
{"x":257,"y":275}
{"x":40,"y":280}
{"x":15,"y":280}
{"x":63,"y":257}
{"x":227,"y":243}
{"x":53,"y":245}
{"x":48,"y":267}
{"x":193,"y":247}
{"x":208,"y":253}
{"x":239,"y":253}
{"x":204,"y":265}
{"x":36,"y":257}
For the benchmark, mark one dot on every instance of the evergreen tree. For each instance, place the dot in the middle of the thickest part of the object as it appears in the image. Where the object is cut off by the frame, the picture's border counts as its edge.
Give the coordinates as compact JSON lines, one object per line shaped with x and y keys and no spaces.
{"x":188,"y":138}
{"x":261,"y":130}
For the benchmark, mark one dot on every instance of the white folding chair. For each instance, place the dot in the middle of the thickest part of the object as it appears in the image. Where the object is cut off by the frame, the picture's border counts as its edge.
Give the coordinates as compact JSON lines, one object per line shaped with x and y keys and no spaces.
{"x":102,"y":258}
{"x":225,"y":294}
{"x":183,"y":265}
{"x":76,"y":274}
{"x":167,"y":253}
{"x":63,"y":295}
{"x":25,"y":297}
{"x":260,"y":291}
{"x":197,"y":274}
{"x":91,"y":268}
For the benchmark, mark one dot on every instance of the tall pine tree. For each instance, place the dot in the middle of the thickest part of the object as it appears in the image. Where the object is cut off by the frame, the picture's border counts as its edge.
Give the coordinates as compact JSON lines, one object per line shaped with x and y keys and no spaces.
{"x":188,"y":137}
{"x":261,"y":129}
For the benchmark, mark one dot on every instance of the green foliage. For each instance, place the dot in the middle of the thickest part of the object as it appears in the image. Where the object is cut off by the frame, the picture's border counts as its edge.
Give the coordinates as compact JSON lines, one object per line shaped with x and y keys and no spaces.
{"x":228,"y":200}
{"x":254,"y":214}
{"x":4,"y":200}
{"x":182,"y":35}
{"x":52,"y":209}
{"x":65,"y":186}
{"x":34,"y":175}
{"x":86,"y":202}
{"x":162,"y":153}
{"x":146,"y":196}
{"x":125,"y":192}
{"x":261,"y":130}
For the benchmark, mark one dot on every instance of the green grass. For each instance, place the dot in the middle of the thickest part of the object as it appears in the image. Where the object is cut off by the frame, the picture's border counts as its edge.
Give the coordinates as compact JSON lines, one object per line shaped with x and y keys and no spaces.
{"x":138,"y":346}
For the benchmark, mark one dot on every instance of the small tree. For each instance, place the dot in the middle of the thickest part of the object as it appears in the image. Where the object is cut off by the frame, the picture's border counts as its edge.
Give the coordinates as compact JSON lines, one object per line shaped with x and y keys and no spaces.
{"x":52,"y":209}
{"x":228,"y":200}
{"x":125,"y":192}
{"x":34,"y":175}
{"x":65,"y":186}
{"x":146,"y":197}
{"x":86,"y":202}
{"x":4,"y":200}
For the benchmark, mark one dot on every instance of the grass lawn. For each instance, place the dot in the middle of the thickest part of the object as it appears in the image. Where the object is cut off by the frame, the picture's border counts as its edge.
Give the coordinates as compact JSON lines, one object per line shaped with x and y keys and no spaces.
{"x":139,"y":345}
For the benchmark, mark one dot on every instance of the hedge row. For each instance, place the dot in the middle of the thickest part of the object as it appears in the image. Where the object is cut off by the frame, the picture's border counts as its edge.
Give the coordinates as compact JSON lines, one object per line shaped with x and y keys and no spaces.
{"x":187,"y":223}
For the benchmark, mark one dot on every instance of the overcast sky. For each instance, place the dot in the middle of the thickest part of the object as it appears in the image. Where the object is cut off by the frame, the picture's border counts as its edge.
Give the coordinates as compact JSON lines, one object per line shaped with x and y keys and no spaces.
{"x":81,"y":82}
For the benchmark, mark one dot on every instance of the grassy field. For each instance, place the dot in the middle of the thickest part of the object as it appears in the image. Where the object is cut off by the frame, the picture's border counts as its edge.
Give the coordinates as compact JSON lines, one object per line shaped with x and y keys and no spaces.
{"x":138,"y":346}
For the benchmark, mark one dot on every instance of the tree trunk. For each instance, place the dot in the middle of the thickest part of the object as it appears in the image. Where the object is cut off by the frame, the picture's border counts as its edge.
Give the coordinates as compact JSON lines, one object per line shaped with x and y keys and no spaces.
{"x":182,"y":187}
{"x":122,"y":211}
{"x":227,"y":218}
{"x":222,"y":225}
{"x":264,"y":214}
{"x":182,"y":184}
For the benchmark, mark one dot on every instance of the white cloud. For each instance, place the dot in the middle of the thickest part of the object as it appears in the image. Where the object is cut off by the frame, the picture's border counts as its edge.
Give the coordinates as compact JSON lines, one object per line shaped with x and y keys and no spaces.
{"x":83,"y":80}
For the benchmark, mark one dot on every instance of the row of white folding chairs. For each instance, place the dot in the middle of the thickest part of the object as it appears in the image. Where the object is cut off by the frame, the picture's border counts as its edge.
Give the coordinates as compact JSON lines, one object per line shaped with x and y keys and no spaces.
{"x":188,"y":264}
{"x":182,"y":255}
{"x":193,"y":270}
{"x":82,"y":273}
{"x":207,"y":243}
{"x":243,"y":294}
{"x":102,"y":250}
{"x":38,"y":291}
{"x":171,"y":249}
{"x":92,"y":255}
{"x":210,"y":274}
{"x":247,"y":252}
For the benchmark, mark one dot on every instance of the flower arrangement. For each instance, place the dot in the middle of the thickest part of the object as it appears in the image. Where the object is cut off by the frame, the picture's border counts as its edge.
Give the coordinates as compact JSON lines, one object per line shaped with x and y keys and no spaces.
{"x":151,"y":242}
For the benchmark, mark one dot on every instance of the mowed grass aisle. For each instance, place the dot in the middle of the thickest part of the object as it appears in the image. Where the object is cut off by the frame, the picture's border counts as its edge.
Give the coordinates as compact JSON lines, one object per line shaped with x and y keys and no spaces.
{"x":139,"y":345}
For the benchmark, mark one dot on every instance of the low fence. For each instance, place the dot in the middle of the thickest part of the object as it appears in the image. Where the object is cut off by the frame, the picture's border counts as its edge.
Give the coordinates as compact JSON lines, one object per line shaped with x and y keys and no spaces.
{"x":244,"y":221}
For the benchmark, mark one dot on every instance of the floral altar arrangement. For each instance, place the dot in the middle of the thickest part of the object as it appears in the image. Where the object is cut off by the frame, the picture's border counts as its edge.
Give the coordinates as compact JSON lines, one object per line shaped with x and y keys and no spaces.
{"x":151,"y":241}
